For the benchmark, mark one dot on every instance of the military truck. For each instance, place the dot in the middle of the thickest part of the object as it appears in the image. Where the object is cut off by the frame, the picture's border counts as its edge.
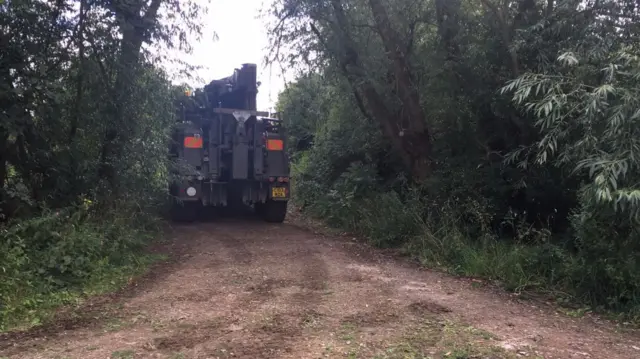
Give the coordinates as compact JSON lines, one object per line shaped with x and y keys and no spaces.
{"x":229,"y":154}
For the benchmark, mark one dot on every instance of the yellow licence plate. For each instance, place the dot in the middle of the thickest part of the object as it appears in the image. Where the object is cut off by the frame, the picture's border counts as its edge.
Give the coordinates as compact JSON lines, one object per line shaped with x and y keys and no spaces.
{"x":278,"y":192}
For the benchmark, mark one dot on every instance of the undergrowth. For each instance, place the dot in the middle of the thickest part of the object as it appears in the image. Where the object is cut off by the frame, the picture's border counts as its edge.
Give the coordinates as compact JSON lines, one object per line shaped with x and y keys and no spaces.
{"x":461,"y":236}
{"x":62,"y":257}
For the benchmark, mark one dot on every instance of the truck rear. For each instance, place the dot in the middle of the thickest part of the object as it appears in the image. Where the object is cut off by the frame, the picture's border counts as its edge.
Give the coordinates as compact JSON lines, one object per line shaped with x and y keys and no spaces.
{"x":228,"y":154}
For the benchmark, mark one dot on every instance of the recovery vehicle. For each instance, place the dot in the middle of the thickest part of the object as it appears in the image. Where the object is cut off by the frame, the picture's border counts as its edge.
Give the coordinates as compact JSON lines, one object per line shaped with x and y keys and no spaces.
{"x":228,"y":153}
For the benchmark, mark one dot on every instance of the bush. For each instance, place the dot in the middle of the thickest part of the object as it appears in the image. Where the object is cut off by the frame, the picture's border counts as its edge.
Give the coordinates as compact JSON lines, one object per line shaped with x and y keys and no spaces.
{"x":534,"y":179}
{"x":457,"y":237}
{"x":60,"y":256}
{"x":445,"y":225}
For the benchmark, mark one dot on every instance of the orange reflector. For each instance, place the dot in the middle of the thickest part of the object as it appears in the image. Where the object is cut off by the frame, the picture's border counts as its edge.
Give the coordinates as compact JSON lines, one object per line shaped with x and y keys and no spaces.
{"x":275,"y":145}
{"x":193,"y":142}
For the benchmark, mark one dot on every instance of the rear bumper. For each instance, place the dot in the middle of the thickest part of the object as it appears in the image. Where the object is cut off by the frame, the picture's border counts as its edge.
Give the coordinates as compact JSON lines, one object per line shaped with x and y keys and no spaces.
{"x":216,"y":193}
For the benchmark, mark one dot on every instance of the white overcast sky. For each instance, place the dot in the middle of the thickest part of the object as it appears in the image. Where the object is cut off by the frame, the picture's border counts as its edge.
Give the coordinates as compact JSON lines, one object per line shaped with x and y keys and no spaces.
{"x":241,"y":39}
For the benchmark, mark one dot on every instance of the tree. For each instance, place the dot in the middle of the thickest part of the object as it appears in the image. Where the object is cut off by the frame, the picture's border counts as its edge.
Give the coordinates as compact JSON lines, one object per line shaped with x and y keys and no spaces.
{"x":531,"y":134}
{"x":334,"y":39}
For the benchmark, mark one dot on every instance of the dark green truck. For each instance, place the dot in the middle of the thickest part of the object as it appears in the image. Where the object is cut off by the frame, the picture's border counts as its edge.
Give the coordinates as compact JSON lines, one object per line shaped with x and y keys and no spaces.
{"x":228,"y":153}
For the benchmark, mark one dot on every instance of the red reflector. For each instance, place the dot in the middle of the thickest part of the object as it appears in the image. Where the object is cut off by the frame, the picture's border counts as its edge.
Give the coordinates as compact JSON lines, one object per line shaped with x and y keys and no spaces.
{"x":275,"y":145}
{"x":193,"y":142}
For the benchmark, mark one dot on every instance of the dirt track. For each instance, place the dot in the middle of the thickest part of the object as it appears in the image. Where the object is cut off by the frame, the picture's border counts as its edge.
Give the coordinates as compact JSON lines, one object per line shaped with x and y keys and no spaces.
{"x":246,"y":289}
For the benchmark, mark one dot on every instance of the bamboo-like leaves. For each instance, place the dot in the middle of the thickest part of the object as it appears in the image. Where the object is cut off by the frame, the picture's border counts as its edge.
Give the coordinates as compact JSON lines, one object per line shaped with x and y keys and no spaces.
{"x":594,"y":128}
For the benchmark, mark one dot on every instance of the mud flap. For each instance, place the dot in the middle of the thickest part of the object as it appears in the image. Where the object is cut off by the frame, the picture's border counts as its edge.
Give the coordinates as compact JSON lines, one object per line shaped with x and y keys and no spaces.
{"x":184,"y":212}
{"x":274,"y":211}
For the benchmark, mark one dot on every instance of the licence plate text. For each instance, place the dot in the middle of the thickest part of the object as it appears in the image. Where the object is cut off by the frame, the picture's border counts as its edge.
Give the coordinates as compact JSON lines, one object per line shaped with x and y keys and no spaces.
{"x":278,"y":192}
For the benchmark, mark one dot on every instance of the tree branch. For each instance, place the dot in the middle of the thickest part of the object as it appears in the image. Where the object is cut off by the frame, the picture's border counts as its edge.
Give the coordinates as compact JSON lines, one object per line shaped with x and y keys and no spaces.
{"x":504,"y":30}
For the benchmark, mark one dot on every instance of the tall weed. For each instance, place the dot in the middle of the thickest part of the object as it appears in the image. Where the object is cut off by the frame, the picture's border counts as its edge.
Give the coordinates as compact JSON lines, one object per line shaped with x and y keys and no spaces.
{"x":459,"y":237}
{"x":60,"y":256}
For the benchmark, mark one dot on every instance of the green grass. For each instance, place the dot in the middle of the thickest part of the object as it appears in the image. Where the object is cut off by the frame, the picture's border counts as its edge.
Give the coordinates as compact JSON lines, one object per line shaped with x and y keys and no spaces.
{"x":435,"y":339}
{"x":459,"y":239}
{"x":428,"y":338}
{"x":60,"y":260}
{"x":35,"y":308}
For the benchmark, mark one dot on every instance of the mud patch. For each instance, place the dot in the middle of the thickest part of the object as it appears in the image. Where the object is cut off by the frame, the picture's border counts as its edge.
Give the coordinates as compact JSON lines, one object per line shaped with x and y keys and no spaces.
{"x":354,"y":277}
{"x":315,"y":274}
{"x":426,"y":307}
{"x":268,"y":285}
{"x":280,"y":324}
{"x":214,"y":263}
{"x":260,"y":345}
{"x":187,"y":336}
{"x":373,"y":318}
{"x":238,"y":278}
{"x":237,"y":249}
{"x":196,"y":296}
{"x":313,"y":279}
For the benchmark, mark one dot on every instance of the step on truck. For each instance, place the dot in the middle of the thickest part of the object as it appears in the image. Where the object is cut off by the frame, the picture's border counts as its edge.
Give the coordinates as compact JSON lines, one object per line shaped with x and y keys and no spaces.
{"x":228,"y":154}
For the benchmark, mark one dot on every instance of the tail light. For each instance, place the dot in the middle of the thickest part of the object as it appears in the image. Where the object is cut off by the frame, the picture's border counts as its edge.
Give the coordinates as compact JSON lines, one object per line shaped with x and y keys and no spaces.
{"x":275,"y":145}
{"x":193,"y":142}
{"x":283,"y":179}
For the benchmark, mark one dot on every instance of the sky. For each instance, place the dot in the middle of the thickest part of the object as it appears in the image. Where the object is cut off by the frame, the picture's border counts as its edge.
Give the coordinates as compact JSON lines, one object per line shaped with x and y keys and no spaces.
{"x":241,"y":39}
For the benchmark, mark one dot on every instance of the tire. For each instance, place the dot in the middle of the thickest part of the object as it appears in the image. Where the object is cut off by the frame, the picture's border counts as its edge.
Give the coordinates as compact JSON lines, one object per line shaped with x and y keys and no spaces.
{"x":183,"y":212}
{"x":259,"y":209}
{"x":274,"y":211}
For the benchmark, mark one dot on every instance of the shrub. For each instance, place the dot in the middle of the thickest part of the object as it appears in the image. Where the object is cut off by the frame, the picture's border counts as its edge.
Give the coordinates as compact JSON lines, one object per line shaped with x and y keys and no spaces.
{"x":60,"y":256}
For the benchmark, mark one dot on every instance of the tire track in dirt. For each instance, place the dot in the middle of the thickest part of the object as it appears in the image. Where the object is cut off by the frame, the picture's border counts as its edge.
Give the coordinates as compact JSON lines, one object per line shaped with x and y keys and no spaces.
{"x":276,"y":290}
{"x":246,"y":289}
{"x":519,"y":326}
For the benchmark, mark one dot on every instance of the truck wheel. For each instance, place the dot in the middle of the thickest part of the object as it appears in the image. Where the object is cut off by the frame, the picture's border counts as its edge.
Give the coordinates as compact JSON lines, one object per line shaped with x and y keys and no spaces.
{"x":274,"y":211}
{"x":183,"y":212}
{"x":259,"y":208}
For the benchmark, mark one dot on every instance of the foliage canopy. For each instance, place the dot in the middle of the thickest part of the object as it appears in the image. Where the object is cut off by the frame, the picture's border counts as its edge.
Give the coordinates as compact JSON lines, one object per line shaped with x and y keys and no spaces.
{"x":525,"y":112}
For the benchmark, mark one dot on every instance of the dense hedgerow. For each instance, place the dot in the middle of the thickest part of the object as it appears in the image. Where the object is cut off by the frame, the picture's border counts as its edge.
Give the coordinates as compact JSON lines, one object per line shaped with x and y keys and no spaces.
{"x":470,"y":217}
{"x":61,"y":257}
{"x":85,"y":112}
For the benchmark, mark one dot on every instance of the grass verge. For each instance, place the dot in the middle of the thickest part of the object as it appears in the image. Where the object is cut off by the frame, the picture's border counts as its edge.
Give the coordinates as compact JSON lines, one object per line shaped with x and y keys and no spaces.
{"x":427,"y":338}
{"x":63,"y":258}
{"x":581,"y":274}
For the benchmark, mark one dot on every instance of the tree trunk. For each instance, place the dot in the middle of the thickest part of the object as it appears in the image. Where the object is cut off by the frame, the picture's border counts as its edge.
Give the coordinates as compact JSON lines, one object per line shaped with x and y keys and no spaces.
{"x":78,"y":107}
{"x":116,"y":130}
{"x":504,"y":31}
{"x":75,"y":119}
{"x":448,"y":26}
{"x":134,"y":27}
{"x":3,"y":175}
{"x":369,"y":100}
{"x":415,"y":135}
